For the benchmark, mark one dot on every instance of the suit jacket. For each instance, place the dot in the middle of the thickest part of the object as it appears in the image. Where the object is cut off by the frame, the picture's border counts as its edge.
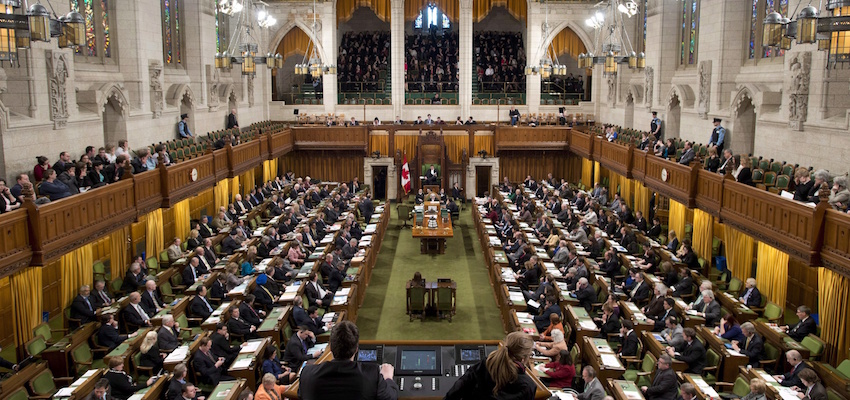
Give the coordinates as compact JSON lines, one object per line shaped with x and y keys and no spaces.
{"x":167,"y":339}
{"x":197,"y":308}
{"x":132,"y":282}
{"x":131,"y":316}
{"x":121,"y":385}
{"x":221,"y":347}
{"x":816,"y":392}
{"x":335,"y":279}
{"x":188,"y":277}
{"x":175,"y":388}
{"x":150,"y":303}
{"x":630,"y":345}
{"x":712,"y":312}
{"x":592,"y":391}
{"x":803,"y":329}
{"x":108,"y":336}
{"x":250,"y":315}
{"x":229,"y":245}
{"x":663,"y":386}
{"x":205,"y":365}
{"x":753,"y":350}
{"x":313,"y":294}
{"x":642,"y":293}
{"x":684,"y":286}
{"x":231,"y":121}
{"x":217,"y":291}
{"x":239,"y":326}
{"x":687,"y":157}
{"x":694,"y":356}
{"x":754,"y":300}
{"x":791,"y":377}
{"x":82,"y":310}
{"x":338,"y":379}
{"x":98,"y":298}
{"x":586,"y":296}
{"x":542,"y":320}
{"x":294,"y":354}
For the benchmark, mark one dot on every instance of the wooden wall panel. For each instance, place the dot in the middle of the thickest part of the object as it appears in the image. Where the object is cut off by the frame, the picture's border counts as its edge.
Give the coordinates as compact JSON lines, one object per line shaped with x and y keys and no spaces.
{"x":331,"y":138}
{"x":137,"y":235}
{"x":15,"y":250}
{"x":179,"y":184}
{"x":802,"y":285}
{"x":516,"y":165}
{"x":280,"y":143}
{"x":616,"y":157}
{"x":639,"y":164}
{"x":680,"y":181}
{"x":335,"y":166}
{"x":202,"y":204}
{"x":7,"y":330}
{"x":581,"y":143}
{"x":51,"y":276}
{"x":524,"y":138}
{"x":709,"y":192}
{"x":245,"y":156}
{"x":835,"y":253}
{"x":148,"y":189}
{"x":220,"y":164}
{"x":168,"y":228}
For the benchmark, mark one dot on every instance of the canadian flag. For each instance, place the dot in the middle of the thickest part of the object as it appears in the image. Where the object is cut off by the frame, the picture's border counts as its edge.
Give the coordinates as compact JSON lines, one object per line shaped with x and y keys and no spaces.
{"x":405,"y":176}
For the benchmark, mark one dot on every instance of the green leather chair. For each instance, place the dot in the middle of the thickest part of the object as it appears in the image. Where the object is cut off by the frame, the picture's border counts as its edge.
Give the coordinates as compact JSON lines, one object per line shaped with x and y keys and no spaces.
{"x":740,"y":388}
{"x":642,"y":374}
{"x":99,"y":270}
{"x":35,"y":346}
{"x":416,"y":302}
{"x":772,"y":312}
{"x":712,"y":363}
{"x":815,"y":346}
{"x":445,"y":302}
{"x":19,"y":394}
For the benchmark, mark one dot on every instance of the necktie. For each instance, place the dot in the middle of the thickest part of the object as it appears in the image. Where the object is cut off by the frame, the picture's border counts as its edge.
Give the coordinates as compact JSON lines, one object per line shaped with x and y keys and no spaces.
{"x":142,"y":313}
{"x":747,"y":343}
{"x":104,"y":296}
{"x":88,"y":303}
{"x":747,"y":295}
{"x":194,"y":274}
{"x":209,"y":308}
{"x":304,"y":345}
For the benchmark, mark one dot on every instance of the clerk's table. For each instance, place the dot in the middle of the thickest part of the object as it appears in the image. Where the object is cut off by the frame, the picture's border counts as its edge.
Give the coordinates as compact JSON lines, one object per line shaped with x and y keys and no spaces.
{"x":433,"y":229}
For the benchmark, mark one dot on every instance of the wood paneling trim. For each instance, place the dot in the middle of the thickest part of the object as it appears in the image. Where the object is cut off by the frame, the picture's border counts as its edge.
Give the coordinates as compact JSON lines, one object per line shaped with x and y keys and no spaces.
{"x":245,"y":156}
{"x":518,"y":138}
{"x":331,"y":138}
{"x":581,"y":143}
{"x":280,"y":143}
{"x":616,"y":157}
{"x":15,"y":250}
{"x":222,"y":168}
{"x":148,"y":187}
{"x":179,"y":184}
{"x":639,"y":164}
{"x":709,"y":193}
{"x":680,"y":182}
{"x":835,"y":253}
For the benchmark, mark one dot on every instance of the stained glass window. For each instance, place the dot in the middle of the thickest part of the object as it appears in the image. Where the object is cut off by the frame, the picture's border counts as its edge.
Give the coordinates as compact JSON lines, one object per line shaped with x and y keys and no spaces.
{"x":429,"y":16}
{"x":171,"y":43}
{"x":98,"y":43}
{"x":690,"y":32}
{"x":760,"y":9}
{"x":221,"y":29}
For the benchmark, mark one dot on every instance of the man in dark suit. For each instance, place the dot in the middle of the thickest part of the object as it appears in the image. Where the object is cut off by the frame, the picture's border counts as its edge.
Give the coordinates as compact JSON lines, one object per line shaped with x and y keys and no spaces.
{"x":753,"y":346}
{"x":238,"y":326}
{"x":151,"y":302}
{"x":211,"y":368}
{"x":431,"y":175}
{"x":248,"y":313}
{"x":221,"y":344}
{"x":692,"y":352}
{"x":659,"y":320}
{"x":107,"y":335}
{"x":708,"y":308}
{"x":168,"y":337}
{"x":190,"y":272}
{"x":630,"y":339}
{"x":806,"y":325}
{"x":791,"y":378}
{"x":82,"y":307}
{"x":585,"y":294}
{"x":343,"y":377}
{"x":100,"y":297}
{"x":641,"y":290}
{"x":133,"y":278}
{"x":231,"y":119}
{"x":688,"y":154}
{"x":316,"y":294}
{"x":296,"y":351}
{"x":542,"y":321}
{"x":175,"y":385}
{"x":336,"y":278}
{"x":230,"y":244}
{"x":812,"y":388}
{"x":366,"y":208}
{"x":664,"y":384}
{"x":751,"y":296}
{"x":200,"y":307}
{"x":209,"y":252}
{"x":134,"y":314}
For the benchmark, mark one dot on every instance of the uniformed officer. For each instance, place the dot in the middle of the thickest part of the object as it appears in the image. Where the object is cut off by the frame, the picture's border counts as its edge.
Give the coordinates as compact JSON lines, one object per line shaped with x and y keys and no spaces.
{"x":655,"y":126}
{"x":718,"y":135}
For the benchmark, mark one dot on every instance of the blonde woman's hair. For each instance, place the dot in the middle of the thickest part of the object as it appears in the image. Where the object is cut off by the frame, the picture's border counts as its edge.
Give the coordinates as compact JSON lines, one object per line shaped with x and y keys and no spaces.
{"x":502,"y":363}
{"x":194,"y":233}
{"x":148,"y":342}
{"x":757,"y":385}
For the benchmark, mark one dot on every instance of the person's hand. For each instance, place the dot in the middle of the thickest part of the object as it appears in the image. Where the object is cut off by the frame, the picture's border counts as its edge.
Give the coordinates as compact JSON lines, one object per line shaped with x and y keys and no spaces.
{"x":176,"y":325}
{"x":150,"y":380}
{"x":317,"y":353}
{"x":319,"y":302}
{"x":219,"y":362}
{"x":778,"y":378}
{"x":387,"y":371}
{"x":717,"y":329}
{"x":148,"y":322}
{"x":643,"y":388}
{"x":15,"y":367}
{"x":795,"y":388}
{"x":201,"y":398}
{"x":253,"y":328}
{"x":243,"y":344}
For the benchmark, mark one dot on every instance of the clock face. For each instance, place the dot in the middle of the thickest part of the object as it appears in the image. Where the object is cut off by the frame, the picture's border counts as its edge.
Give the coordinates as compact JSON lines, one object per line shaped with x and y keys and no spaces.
{"x":194,"y":174}
{"x":664,"y":174}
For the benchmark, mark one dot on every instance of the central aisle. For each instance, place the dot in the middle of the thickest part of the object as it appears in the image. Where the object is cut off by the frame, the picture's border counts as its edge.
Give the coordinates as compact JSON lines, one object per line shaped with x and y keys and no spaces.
{"x":383,"y":316}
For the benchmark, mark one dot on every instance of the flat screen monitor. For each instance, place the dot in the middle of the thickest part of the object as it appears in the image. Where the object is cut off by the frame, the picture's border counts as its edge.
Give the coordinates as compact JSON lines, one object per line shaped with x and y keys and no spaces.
{"x":418,"y":361}
{"x":367,"y":355}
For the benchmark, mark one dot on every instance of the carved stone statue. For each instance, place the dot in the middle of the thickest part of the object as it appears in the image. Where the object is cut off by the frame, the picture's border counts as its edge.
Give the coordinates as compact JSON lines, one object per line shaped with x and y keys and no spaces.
{"x":612,"y":89}
{"x":250,"y":90}
{"x":704,"y":88}
{"x":57,"y":76}
{"x":213,"y":84}
{"x":647,"y":87}
{"x":155,"y":73}
{"x":798,"y":93}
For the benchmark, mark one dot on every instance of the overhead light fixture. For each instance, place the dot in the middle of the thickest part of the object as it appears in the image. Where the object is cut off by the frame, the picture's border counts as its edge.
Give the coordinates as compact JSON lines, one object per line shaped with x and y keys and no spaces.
{"x":809,"y":28}
{"x":612,"y":39}
{"x":230,"y":7}
{"x":246,"y":51}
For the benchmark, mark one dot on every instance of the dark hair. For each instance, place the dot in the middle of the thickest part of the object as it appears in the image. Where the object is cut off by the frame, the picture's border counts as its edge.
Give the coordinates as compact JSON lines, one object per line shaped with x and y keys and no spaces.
{"x":690,"y":332}
{"x":730,"y":319}
{"x":268,"y":352}
{"x":670,"y":302}
{"x":344,"y":339}
{"x":102,"y":383}
{"x":628,"y":324}
{"x":41,"y":160}
{"x":96,"y":163}
{"x":565,"y":358}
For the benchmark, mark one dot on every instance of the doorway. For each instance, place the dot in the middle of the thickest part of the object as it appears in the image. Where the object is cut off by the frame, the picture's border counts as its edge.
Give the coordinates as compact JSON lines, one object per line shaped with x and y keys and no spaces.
{"x":482,"y":179}
{"x":114,"y":123}
{"x":743,"y":135}
{"x":629,"y":118}
{"x":379,"y":182}
{"x":674,"y":116}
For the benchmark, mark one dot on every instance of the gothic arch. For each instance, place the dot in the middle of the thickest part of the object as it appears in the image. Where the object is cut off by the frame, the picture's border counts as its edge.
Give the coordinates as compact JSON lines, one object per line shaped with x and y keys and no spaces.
{"x":116,"y":92}
{"x":744,"y":92}
{"x":301,"y":24}
{"x":636,"y":91}
{"x":177,"y":91}
{"x":554,"y":30}
{"x":228,"y":91}
{"x":684,"y":93}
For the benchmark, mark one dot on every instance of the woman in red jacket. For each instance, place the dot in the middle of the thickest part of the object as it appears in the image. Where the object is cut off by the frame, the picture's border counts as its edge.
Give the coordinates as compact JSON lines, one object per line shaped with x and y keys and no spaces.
{"x":561,"y":372}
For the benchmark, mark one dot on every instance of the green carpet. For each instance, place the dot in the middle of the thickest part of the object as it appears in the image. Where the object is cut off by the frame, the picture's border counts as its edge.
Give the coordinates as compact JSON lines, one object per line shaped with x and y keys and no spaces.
{"x":382,"y":315}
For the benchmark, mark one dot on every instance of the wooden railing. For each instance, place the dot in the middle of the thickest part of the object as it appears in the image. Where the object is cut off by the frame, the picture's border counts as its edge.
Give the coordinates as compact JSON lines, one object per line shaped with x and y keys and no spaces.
{"x":39,"y":234}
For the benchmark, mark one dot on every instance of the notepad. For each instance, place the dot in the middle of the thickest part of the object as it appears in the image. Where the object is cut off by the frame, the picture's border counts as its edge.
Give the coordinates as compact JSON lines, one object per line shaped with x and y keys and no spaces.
{"x":251,"y":346}
{"x":587,"y":324}
{"x":533,"y":303}
{"x":610,"y":360}
{"x":242,"y":363}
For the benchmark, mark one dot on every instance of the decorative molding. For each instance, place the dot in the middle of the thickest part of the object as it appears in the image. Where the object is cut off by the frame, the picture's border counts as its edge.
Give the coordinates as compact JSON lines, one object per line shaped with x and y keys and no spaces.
{"x":57,"y":77}
{"x":798,"y":93}
{"x":250,"y":90}
{"x":647,"y":87}
{"x":612,"y":90}
{"x":704,"y":88}
{"x":213,"y":85}
{"x":155,"y":73}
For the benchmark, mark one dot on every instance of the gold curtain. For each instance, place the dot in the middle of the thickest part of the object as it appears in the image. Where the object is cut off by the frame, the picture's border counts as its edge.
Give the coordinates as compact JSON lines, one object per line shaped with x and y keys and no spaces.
{"x":455,"y":144}
{"x":27,"y":303}
{"x":269,"y":170}
{"x":118,"y":254}
{"x":154,"y":236}
{"x":449,"y":7}
{"x":587,"y":172}
{"x":482,"y":142}
{"x":566,"y":42}
{"x":248,"y":180}
{"x":379,"y":142}
{"x":345,"y":8}
{"x":517,"y":8}
{"x":76,"y":267}
{"x":407,"y":145}
{"x":703,"y":233}
{"x":234,"y":186}
{"x":221,"y":194}
{"x":833,"y":296}
{"x":642,"y":195}
{"x":182,"y":219}
{"x":739,"y":252}
{"x":294,"y":42}
{"x":772,"y":273}
{"x":597,"y":171}
{"x":677,"y":219}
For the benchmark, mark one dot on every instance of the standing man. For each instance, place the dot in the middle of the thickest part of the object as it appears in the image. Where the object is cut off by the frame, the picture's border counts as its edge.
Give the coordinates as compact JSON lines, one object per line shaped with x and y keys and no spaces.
{"x":231,"y":120}
{"x":655,"y":126}
{"x":718,"y":135}
{"x":514,"y":115}
{"x":183,"y":131}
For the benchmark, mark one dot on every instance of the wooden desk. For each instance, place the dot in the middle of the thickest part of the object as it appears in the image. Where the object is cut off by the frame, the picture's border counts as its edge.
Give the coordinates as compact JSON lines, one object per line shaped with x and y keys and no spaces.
{"x":58,"y":356}
{"x":228,"y":390}
{"x":249,"y":372}
{"x":741,"y":312}
{"x":775,"y":391}
{"x":780,"y":340}
{"x":220,"y":314}
{"x":624,"y":390}
{"x":729,"y":362}
{"x":657,"y":348}
{"x":631,"y":312}
{"x":127,"y":348}
{"x":347,"y":303}
{"x":156,"y":390}
{"x":23,"y":376}
{"x":582,"y":324}
{"x":83,"y":386}
{"x":688,"y":320}
{"x":597,"y":353}
{"x":529,"y":328}
{"x":433,"y":241}
{"x":704,"y":390}
{"x":170,"y":361}
{"x":175,"y":311}
{"x":831,"y":378}
{"x":274,"y":324}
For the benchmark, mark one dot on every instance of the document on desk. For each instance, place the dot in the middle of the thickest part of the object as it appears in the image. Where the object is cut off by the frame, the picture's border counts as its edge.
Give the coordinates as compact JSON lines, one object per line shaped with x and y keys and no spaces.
{"x":734,"y":353}
{"x":328,"y":317}
{"x":516,"y":297}
{"x":533,"y":303}
{"x":177,"y":355}
{"x":242,"y":363}
{"x":588,"y":324}
{"x":610,"y":360}
{"x":64,"y":392}
{"x":319,"y":347}
{"x":251,"y":346}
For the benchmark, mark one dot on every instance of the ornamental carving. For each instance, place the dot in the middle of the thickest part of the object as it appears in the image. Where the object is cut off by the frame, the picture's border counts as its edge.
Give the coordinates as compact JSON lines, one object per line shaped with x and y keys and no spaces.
{"x":647,"y":87}
{"x":704,"y":88}
{"x":57,"y":77}
{"x":157,"y":102}
{"x":213,"y":85}
{"x":612,"y":90}
{"x":250,"y":90}
{"x":798,"y":93}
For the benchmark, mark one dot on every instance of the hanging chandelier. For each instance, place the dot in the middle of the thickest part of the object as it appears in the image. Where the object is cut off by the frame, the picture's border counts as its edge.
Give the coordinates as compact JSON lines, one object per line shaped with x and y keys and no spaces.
{"x":18,"y":31}
{"x":612,"y":46}
{"x":242,"y":48}
{"x":829,"y":32}
{"x":311,"y":64}
{"x":549,"y":64}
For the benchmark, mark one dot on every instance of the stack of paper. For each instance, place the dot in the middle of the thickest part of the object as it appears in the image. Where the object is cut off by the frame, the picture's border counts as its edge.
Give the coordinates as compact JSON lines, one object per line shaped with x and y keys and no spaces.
{"x":177,"y":355}
{"x":251,"y":346}
{"x":242,"y":363}
{"x":588,"y":324}
{"x":328,"y":317}
{"x":516,"y":297}
{"x":610,"y":360}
